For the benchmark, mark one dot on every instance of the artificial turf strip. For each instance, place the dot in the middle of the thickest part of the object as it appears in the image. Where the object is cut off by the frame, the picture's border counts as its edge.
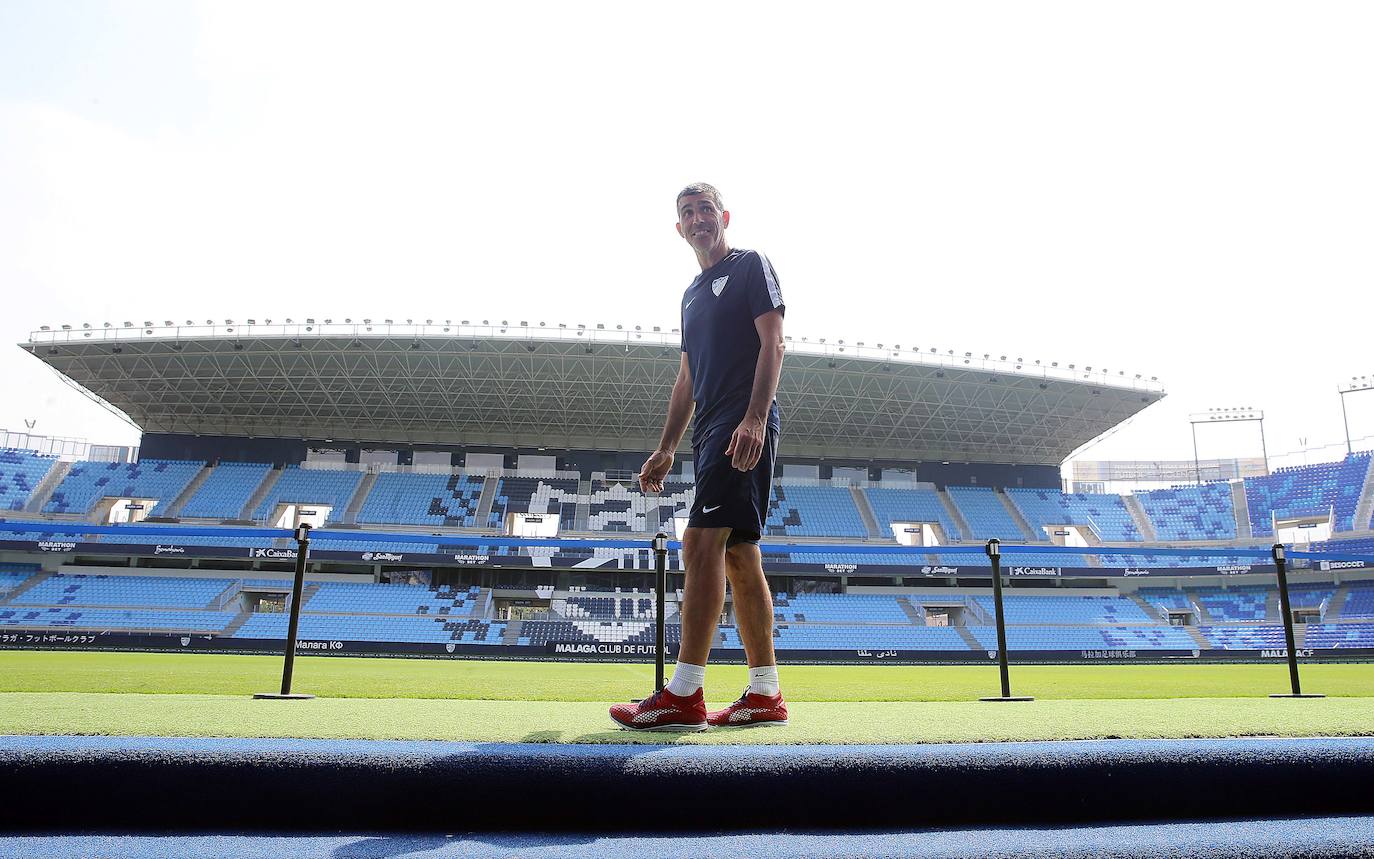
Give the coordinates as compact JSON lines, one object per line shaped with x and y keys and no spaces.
{"x":63,"y":713}
{"x":343,"y":677}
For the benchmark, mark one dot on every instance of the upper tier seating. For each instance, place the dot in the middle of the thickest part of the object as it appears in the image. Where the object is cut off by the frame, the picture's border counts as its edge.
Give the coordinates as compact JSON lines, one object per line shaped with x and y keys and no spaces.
{"x":985,"y":515}
{"x":1191,"y":512}
{"x":87,"y":482}
{"x":225,"y":491}
{"x":535,"y":495}
{"x":620,"y":507}
{"x":910,"y":505}
{"x":423,"y":499}
{"x":813,"y":511}
{"x":307,"y":486}
{"x":80,"y":590}
{"x":1307,"y":490}
{"x":1106,"y":515}
{"x":20,"y":473}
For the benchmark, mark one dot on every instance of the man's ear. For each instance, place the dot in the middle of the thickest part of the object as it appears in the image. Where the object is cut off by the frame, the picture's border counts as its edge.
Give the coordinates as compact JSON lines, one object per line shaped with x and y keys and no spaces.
{"x":678,"y":227}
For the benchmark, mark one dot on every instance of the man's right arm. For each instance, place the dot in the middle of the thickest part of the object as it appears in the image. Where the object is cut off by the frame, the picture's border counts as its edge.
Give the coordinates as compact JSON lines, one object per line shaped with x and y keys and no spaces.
{"x":680,"y":408}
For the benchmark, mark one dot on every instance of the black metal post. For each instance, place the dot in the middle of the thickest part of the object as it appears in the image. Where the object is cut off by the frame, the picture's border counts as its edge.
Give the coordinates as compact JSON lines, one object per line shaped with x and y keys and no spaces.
{"x":661,"y":585}
{"x":994,"y":552}
{"x":1280,"y":561}
{"x":293,"y":625}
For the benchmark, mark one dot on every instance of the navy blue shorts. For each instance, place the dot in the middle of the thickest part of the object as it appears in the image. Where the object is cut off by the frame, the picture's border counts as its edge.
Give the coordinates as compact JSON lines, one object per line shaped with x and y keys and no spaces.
{"x":726,"y":496}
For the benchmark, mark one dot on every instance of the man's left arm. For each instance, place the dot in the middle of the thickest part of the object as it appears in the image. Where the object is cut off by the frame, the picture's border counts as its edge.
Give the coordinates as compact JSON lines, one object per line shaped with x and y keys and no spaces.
{"x":746,"y":445}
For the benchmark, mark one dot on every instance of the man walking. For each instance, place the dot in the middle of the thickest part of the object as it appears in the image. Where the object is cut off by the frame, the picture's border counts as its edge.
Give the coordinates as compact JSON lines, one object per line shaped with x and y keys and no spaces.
{"x":732,"y":349}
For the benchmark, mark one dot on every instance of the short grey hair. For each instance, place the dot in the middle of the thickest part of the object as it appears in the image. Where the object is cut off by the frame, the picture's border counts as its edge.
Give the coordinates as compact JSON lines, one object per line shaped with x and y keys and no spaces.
{"x":701,"y":188}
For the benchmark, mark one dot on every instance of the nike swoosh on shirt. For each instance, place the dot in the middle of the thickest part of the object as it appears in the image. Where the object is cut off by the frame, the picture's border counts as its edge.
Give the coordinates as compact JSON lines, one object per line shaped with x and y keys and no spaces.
{"x":710,"y":509}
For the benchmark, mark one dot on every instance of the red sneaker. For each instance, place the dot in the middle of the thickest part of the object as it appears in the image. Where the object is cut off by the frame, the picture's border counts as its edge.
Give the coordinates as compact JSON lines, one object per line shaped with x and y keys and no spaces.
{"x":751,"y":711}
{"x":663,"y":711}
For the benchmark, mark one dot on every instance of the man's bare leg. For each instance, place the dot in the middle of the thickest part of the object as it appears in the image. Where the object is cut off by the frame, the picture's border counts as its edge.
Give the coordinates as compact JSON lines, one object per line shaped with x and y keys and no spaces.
{"x":703,"y":597}
{"x":753,"y":603}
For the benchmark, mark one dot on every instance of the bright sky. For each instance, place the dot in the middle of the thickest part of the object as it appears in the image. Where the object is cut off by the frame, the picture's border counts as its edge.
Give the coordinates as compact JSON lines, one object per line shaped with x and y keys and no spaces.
{"x":1177,"y":189}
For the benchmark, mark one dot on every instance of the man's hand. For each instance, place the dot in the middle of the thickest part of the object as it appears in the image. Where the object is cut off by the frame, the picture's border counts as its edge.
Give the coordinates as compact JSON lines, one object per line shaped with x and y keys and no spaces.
{"x":656,"y":467}
{"x":746,"y":444}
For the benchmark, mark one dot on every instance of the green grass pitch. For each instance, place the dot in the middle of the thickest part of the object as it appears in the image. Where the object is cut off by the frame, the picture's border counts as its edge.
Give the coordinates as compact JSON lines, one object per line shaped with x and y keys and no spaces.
{"x":171,"y":694}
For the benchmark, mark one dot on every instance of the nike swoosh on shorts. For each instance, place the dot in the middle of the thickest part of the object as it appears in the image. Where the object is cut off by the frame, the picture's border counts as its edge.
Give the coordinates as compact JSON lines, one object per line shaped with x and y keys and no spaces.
{"x":710,"y":509}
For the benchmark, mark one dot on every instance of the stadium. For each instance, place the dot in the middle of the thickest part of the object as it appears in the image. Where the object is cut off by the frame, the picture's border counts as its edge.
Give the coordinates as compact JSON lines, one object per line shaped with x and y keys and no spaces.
{"x":274,"y":425}
{"x":472,"y":500}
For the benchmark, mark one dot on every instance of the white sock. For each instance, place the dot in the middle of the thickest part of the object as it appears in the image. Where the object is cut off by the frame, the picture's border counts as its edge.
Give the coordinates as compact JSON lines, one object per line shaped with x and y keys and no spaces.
{"x":764,"y":680}
{"x":687,"y":679}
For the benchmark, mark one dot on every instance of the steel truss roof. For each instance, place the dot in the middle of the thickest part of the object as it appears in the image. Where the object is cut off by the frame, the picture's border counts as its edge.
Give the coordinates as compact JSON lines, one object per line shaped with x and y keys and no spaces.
{"x":566,"y":389}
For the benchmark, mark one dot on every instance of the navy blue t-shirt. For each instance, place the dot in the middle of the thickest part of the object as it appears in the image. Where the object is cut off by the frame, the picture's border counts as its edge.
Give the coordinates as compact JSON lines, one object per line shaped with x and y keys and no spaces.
{"x":719,"y":337}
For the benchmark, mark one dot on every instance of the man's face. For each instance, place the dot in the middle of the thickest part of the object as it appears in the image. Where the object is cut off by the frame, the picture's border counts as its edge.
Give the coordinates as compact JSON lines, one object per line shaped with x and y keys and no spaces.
{"x":701,"y":222}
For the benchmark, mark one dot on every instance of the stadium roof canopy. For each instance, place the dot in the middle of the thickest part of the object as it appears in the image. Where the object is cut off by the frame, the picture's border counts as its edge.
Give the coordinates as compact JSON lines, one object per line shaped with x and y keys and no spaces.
{"x":574,"y":387}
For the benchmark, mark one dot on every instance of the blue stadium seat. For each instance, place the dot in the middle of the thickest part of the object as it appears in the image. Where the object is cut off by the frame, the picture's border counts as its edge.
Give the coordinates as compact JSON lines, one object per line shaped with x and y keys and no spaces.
{"x":226,"y":491}
{"x":20,"y":473}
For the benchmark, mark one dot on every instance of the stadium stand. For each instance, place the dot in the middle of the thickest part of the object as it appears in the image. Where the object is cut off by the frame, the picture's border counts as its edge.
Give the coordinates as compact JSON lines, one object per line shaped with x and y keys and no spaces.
{"x":116,"y":619}
{"x":1359,"y":602}
{"x":423,"y":499}
{"x":1186,"y":513}
{"x":1307,"y":490}
{"x":813,"y":511}
{"x":1234,"y":604}
{"x":984,"y":513}
{"x":1244,"y":637}
{"x":20,"y":473}
{"x":1084,"y":638}
{"x":1065,"y":610}
{"x":1340,"y":635}
{"x":226,"y":491}
{"x":14,"y":575}
{"x":88,"y":482}
{"x":124,"y":591}
{"x":308,"y":486}
{"x":376,"y":628}
{"x":1106,"y":515}
{"x":910,"y":505}
{"x":535,"y":495}
{"x":838,"y":608}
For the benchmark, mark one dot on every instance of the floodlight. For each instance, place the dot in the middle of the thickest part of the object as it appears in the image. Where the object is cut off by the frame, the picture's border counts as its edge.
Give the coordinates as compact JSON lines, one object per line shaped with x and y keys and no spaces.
{"x":252,"y":322}
{"x":128,"y":325}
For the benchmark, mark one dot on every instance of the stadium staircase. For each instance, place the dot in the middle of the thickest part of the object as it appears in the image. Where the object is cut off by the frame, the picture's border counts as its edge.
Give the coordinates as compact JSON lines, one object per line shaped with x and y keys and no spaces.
{"x":355,"y":504}
{"x":1272,"y":610}
{"x":174,"y":509}
{"x":29,"y":584}
{"x":1150,"y":610}
{"x":487,"y":500}
{"x":43,"y":491}
{"x":1337,"y":605}
{"x":583,"y":514}
{"x":955,"y":516}
{"x":267,"y":483}
{"x":1364,"y":510}
{"x":1015,"y":514}
{"x":866,"y":513}
{"x":910,"y":610}
{"x":239,"y":620}
{"x":1198,"y":638}
{"x":1242,"y":510}
{"x":967,"y":636}
{"x":512,"y":635}
{"x":1141,"y":518}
